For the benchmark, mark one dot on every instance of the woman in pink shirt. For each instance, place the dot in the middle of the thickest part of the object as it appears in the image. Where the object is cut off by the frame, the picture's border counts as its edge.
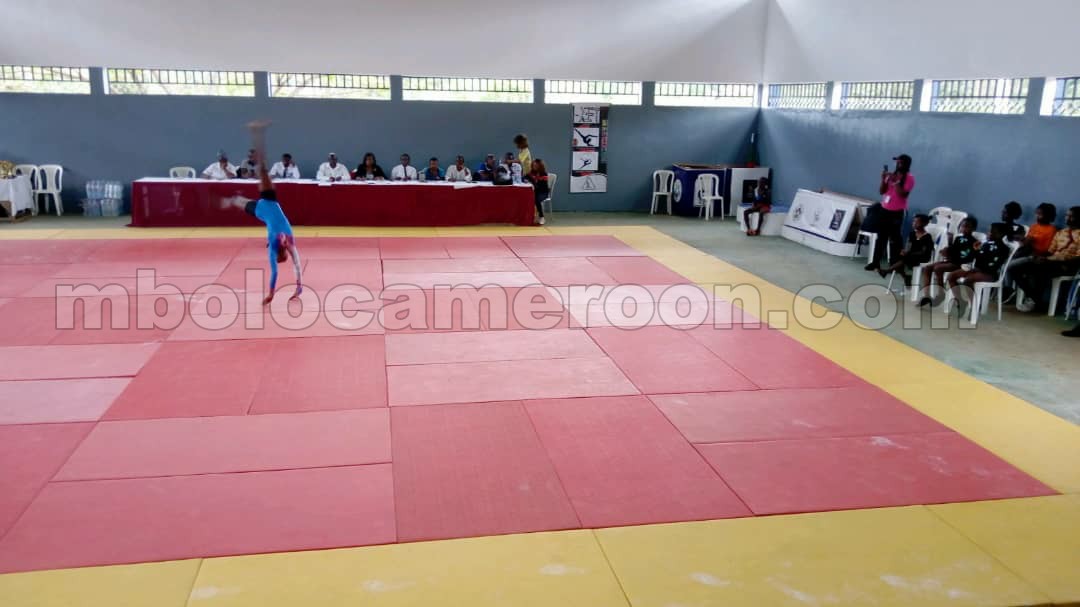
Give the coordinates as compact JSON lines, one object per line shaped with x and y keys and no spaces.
{"x":895,"y":189}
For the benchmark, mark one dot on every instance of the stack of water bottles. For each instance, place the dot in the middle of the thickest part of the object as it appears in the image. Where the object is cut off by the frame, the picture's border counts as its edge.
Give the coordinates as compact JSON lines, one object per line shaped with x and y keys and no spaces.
{"x":103,"y":199}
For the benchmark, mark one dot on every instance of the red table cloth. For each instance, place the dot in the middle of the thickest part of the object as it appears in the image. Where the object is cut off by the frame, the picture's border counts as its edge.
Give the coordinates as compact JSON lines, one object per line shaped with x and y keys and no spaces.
{"x":199,"y":202}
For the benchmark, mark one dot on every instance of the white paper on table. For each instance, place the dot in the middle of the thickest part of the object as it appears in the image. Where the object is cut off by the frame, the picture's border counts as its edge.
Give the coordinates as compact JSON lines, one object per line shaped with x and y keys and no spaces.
{"x":461,"y":185}
{"x":325,"y":184}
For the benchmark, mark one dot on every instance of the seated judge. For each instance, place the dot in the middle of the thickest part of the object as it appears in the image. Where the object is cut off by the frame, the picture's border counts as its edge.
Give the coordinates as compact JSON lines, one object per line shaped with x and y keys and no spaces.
{"x":369,"y":170}
{"x":432,"y":172}
{"x":458,"y":171}
{"x":404,"y":171}
{"x":220,"y":169}
{"x":332,"y":170}
{"x":249,"y":168}
{"x":486,"y":170}
{"x":512,"y":165}
{"x":285,"y":169}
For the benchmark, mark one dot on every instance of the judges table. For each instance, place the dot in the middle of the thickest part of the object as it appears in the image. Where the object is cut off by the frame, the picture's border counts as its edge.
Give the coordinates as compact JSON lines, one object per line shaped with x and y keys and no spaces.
{"x":157,"y":202}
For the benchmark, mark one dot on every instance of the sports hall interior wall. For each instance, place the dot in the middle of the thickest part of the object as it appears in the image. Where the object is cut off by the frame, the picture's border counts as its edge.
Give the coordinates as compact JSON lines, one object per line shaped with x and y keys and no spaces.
{"x":124,"y":137}
{"x":973,"y":162}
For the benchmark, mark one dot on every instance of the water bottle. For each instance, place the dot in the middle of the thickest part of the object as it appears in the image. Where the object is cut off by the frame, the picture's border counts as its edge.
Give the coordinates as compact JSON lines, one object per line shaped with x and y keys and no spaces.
{"x":515,"y":170}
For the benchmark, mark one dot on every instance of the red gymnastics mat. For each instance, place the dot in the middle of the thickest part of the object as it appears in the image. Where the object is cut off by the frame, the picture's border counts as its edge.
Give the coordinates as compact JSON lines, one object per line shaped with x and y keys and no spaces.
{"x":422,"y":388}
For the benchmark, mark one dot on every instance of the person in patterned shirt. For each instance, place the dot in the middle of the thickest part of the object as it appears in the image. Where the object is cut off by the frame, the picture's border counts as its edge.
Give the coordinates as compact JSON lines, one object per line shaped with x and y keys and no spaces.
{"x":960,"y":251}
{"x":1063,"y":259}
{"x":986,"y":265}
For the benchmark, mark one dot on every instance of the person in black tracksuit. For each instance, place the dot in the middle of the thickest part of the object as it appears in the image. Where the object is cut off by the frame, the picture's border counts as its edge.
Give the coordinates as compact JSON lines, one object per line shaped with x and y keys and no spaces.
{"x":538,"y":177}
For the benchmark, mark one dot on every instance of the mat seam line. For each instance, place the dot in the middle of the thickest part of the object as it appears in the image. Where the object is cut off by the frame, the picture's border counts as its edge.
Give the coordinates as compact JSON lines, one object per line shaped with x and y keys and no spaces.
{"x":551,"y":462}
{"x":703,"y":459}
{"x":611,"y":567}
{"x":41,"y":489}
{"x":114,"y":479}
{"x":194,"y":581}
{"x":992,"y":556}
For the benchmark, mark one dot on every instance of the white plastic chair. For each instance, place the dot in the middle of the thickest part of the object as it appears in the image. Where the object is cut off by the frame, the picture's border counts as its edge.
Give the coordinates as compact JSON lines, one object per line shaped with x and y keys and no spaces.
{"x":1055,"y":292}
{"x":51,"y":182}
{"x":662,"y":180}
{"x":31,"y":171}
{"x":871,"y":241}
{"x":983,"y":291}
{"x":552,"y":178}
{"x":955,"y":219}
{"x":938,"y":233}
{"x":706,"y":193}
{"x":1071,"y":307}
{"x":182,"y":173}
{"x":941,"y":216}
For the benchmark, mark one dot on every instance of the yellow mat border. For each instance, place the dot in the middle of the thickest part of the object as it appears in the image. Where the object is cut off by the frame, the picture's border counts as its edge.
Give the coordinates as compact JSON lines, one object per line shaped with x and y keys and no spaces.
{"x":1041,"y":444}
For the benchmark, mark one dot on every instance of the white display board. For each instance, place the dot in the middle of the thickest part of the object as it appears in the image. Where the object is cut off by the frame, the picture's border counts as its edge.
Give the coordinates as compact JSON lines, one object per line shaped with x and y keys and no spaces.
{"x":825,"y":215}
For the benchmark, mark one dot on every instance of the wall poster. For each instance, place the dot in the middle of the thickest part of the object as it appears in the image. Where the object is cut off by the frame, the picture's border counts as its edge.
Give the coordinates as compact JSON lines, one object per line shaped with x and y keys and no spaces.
{"x":588,"y":149}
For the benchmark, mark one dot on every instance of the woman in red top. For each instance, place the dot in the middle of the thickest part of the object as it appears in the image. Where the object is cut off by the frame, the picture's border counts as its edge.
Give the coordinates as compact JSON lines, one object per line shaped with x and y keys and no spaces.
{"x":895,"y":188}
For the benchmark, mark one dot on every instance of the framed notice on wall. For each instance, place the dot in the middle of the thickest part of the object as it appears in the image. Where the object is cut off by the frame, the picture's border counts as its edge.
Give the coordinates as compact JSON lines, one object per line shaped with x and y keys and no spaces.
{"x":588,"y":149}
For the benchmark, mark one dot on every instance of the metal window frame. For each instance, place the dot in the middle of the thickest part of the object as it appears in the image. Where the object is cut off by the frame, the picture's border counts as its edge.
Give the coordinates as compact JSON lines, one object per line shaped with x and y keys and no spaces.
{"x":721,"y":94}
{"x":467,"y":89}
{"x":319,"y":85}
{"x":615,"y":92}
{"x":798,"y":96}
{"x":1066,"y":101}
{"x":165,"y":78}
{"x":990,"y":96}
{"x":877,"y":96}
{"x":75,"y":78}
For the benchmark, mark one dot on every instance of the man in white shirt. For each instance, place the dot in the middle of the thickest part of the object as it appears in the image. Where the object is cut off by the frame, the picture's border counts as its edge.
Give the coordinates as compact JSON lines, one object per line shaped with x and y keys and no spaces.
{"x":220,"y":169}
{"x":285,"y":169}
{"x":249,"y":168}
{"x":459,"y":172}
{"x":332,"y":170}
{"x":403,"y":172}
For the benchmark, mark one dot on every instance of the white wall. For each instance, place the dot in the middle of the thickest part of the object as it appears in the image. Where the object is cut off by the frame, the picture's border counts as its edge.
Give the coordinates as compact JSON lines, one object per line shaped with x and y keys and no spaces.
{"x":815,"y":40}
{"x":708,"y":40}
